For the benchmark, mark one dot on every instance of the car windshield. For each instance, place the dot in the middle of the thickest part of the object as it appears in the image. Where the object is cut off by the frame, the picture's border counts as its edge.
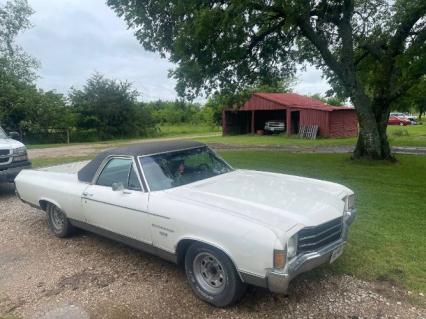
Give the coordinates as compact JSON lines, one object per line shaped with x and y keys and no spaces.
{"x":168,"y":170}
{"x":2,"y":133}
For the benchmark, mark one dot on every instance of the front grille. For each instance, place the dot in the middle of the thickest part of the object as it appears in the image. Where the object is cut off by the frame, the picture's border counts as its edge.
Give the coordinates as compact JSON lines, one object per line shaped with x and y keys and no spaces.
{"x":4,"y":152}
{"x":275,"y":124}
{"x":313,"y":238}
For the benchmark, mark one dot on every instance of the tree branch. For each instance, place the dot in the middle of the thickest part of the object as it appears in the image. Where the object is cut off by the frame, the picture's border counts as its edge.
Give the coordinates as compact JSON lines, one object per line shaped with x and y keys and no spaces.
{"x":345,"y":31}
{"x":374,"y":49}
{"x":420,"y":38}
{"x":261,"y":36}
{"x":396,"y":43}
{"x":361,"y":57}
{"x":321,"y":45}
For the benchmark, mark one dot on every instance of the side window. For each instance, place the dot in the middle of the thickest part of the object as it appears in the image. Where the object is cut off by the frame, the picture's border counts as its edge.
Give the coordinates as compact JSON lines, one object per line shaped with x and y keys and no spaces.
{"x":133,"y":180}
{"x":116,"y":171}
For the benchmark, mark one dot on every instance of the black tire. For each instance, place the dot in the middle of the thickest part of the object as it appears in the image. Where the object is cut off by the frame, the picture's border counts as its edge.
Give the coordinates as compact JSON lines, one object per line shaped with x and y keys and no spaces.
{"x":228,"y":291}
{"x":58,"y":221}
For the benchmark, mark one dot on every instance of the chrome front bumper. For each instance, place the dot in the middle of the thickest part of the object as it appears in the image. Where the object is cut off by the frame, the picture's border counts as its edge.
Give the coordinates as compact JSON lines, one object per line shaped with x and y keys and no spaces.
{"x":278,"y":280}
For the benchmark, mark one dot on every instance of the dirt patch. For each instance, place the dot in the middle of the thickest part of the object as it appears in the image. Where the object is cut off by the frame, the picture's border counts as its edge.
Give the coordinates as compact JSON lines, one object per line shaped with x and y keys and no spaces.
{"x":80,"y":281}
{"x":87,"y":276}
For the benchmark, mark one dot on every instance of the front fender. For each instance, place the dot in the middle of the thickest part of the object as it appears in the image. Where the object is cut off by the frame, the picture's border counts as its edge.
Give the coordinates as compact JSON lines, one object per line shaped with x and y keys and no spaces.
{"x":226,"y":251}
{"x":49,"y":200}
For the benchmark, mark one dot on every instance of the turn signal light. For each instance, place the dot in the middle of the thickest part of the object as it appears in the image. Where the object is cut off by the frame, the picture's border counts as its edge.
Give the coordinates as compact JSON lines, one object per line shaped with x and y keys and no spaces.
{"x":279,"y":259}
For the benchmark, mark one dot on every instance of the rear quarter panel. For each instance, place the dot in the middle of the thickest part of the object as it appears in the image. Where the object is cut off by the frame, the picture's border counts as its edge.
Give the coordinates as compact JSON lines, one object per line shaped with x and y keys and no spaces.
{"x":61,"y":189}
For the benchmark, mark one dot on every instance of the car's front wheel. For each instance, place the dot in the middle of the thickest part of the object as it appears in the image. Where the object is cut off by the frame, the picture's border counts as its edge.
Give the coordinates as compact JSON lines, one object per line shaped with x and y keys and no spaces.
{"x":212,"y":275}
{"x":58,"y":221}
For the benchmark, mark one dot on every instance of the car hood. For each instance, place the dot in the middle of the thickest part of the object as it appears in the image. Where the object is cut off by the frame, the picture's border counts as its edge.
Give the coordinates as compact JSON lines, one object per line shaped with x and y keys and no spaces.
{"x":8,"y":143}
{"x":276,"y":200}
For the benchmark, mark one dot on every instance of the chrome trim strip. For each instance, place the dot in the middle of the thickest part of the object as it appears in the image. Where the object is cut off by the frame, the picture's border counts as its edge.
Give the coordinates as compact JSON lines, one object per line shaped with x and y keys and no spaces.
{"x":173,"y":151}
{"x":125,"y":207}
{"x":140,"y":245}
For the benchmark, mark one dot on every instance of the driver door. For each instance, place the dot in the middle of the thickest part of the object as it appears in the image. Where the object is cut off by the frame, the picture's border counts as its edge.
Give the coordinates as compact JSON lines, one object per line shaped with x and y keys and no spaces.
{"x":116,"y":202}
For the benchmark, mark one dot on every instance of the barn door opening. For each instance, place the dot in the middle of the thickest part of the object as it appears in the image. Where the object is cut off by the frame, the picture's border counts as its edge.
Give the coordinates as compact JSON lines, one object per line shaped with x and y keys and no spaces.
{"x":295,"y":120}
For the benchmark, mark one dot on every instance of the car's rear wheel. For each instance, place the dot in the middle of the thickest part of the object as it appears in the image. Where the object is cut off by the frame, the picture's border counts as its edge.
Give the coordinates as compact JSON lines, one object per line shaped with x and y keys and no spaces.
{"x":212,"y":275}
{"x":58,"y":221}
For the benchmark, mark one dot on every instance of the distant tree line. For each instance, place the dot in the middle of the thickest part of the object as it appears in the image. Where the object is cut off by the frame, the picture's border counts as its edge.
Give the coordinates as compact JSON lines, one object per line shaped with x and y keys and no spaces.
{"x":102,"y":109}
{"x":107,"y":108}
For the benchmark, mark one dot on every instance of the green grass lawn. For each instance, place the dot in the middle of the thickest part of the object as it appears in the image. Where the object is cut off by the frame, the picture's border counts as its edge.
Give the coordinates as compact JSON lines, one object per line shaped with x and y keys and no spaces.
{"x":412,"y":135}
{"x":388,"y":239}
{"x":186,"y":129}
{"x":182,"y":130}
{"x":41,"y":162}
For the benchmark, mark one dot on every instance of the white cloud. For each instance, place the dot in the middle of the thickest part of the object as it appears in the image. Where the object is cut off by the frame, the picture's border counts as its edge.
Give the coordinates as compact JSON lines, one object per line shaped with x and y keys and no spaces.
{"x":310,"y":81}
{"x":74,"y":38}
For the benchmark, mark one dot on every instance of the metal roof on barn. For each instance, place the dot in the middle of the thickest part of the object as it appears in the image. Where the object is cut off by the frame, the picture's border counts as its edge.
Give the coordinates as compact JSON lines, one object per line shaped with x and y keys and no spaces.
{"x":289,"y":100}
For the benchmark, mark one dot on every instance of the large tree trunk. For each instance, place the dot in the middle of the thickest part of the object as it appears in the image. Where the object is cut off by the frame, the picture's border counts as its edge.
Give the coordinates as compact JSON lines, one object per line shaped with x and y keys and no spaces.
{"x":372,"y":139}
{"x":372,"y":142}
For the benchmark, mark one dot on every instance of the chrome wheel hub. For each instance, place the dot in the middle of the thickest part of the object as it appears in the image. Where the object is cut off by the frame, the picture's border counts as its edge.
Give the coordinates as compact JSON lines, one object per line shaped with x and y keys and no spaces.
{"x":209,"y":273}
{"x":57,"y":218}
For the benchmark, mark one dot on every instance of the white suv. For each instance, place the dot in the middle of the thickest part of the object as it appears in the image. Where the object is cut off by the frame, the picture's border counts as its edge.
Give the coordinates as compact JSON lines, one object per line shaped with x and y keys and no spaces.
{"x":13,"y":157}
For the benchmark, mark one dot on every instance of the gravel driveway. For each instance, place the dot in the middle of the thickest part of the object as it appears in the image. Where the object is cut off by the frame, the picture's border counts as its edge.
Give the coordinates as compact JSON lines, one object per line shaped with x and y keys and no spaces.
{"x":87,"y":276}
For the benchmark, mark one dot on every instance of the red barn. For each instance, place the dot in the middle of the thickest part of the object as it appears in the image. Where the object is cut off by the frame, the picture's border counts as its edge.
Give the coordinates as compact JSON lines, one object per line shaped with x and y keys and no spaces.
{"x":292,"y":109}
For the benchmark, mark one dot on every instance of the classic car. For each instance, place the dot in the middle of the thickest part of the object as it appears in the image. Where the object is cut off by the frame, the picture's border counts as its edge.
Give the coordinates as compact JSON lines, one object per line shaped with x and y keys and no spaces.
{"x":13,"y":156}
{"x":393,"y":120}
{"x":181,"y":201}
{"x":412,"y":118}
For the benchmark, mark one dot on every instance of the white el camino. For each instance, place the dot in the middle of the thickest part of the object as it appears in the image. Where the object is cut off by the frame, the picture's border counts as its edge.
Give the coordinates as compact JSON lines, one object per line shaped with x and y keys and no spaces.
{"x":181,"y":201}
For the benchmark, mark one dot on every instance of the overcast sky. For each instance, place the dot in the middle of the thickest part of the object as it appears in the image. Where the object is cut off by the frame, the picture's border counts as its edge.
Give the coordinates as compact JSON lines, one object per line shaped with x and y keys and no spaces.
{"x":74,"y":38}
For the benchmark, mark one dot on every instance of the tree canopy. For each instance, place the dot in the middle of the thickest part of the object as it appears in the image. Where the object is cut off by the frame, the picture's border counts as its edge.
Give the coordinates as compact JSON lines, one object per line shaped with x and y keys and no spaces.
{"x":14,"y":61}
{"x":103,"y":108}
{"x":110,"y":107}
{"x":372,"y":51}
{"x":22,"y":105}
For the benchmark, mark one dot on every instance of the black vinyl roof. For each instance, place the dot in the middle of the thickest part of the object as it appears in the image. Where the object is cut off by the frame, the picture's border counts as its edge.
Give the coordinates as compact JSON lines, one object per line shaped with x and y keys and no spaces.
{"x":87,"y":173}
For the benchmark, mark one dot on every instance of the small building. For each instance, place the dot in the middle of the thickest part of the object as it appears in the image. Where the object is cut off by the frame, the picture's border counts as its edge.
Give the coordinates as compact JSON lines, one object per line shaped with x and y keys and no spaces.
{"x":292,"y":109}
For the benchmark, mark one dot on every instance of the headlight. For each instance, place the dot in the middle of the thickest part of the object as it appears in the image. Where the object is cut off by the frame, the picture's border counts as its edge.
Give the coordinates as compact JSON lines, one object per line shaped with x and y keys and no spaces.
{"x":20,"y":154}
{"x":20,"y":151}
{"x":292,"y":246}
{"x":350,"y":202}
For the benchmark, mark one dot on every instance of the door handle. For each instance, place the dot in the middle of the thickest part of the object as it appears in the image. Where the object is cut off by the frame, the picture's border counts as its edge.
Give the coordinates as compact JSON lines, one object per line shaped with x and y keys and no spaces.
{"x":87,"y":194}
{"x":126,"y":192}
